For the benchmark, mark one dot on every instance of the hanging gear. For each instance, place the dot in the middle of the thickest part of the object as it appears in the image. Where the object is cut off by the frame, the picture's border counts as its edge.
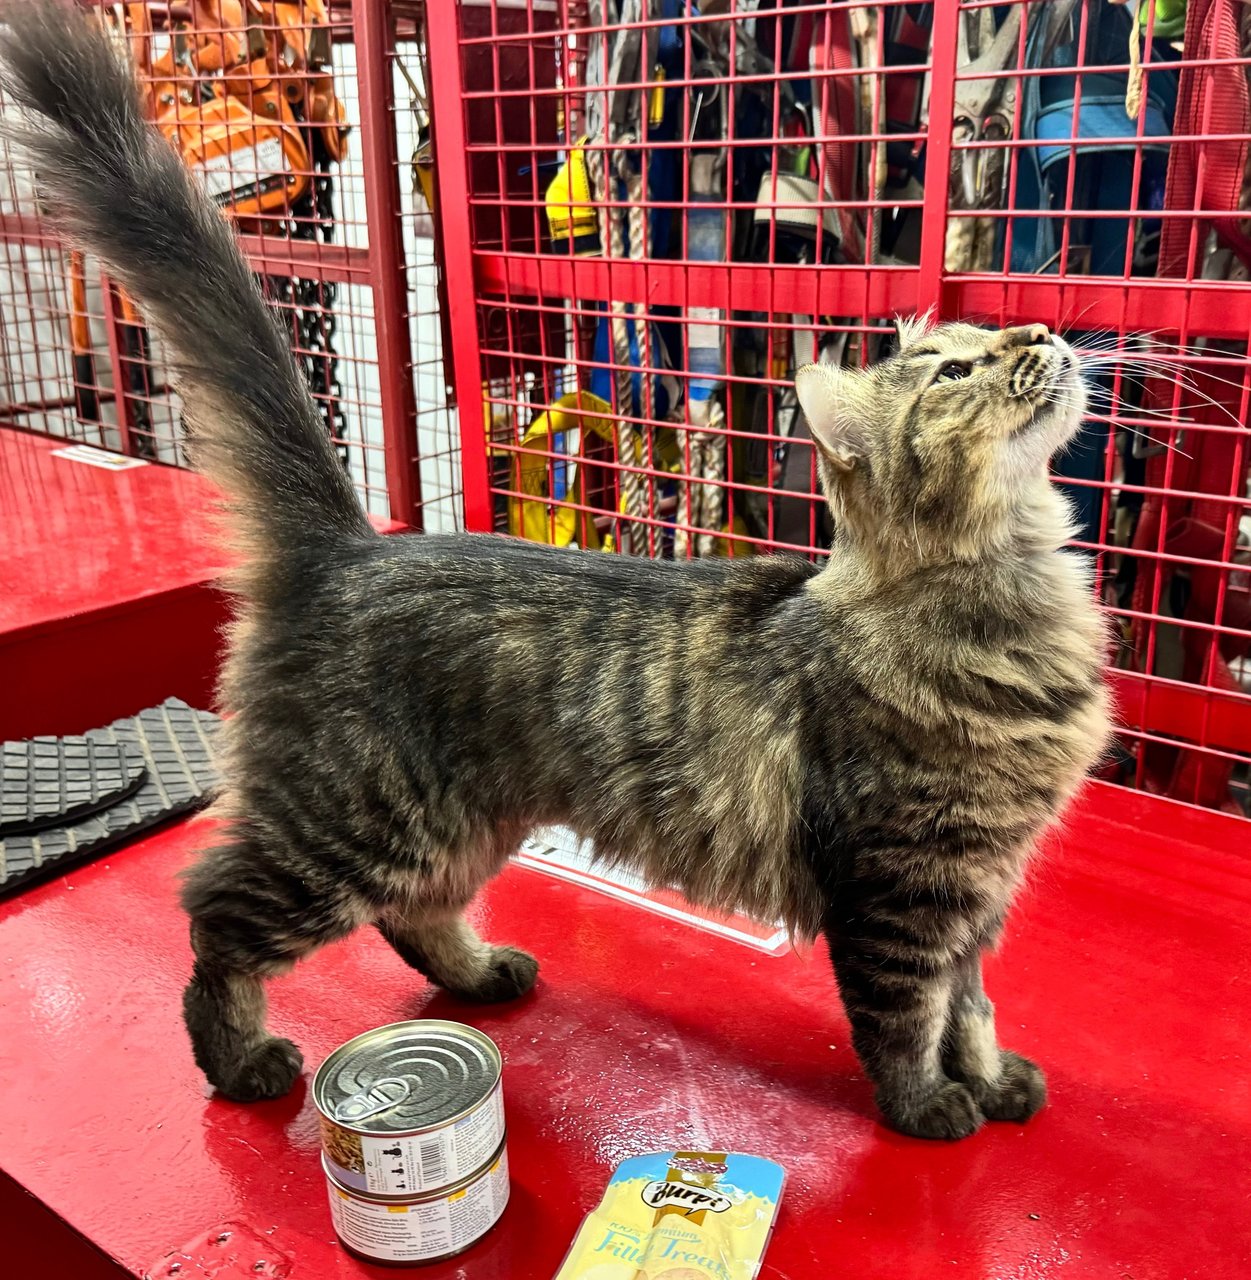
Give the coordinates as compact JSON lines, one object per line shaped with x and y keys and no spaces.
{"x":701,"y":498}
{"x":245,"y":92}
{"x":314,"y":300}
{"x":569,"y":426}
{"x":571,"y":215}
{"x":618,"y":174}
{"x":86,"y":389}
{"x":984,"y":107}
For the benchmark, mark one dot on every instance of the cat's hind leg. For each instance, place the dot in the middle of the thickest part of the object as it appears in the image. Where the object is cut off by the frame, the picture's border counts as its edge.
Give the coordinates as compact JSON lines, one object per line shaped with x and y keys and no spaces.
{"x":251,"y":921}
{"x":439,"y":943}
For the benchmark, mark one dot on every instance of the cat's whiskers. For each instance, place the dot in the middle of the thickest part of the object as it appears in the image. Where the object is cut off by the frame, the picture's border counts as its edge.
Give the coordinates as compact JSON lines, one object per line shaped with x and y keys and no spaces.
{"x":1183,"y":384}
{"x":1150,"y":357}
{"x":1142,"y":435}
{"x":1159,"y":370}
{"x":1107,"y":403}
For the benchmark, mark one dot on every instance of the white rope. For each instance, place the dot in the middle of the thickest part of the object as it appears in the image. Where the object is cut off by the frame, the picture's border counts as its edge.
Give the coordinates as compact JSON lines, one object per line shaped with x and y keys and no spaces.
{"x":626,"y":434}
{"x":644,"y":490}
{"x":632,"y":56}
{"x":690,"y":496}
{"x":714,"y":446}
{"x":702,"y":499}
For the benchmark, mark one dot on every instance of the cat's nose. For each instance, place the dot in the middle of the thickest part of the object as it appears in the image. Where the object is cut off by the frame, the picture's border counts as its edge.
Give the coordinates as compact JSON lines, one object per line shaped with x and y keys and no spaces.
{"x":1028,"y":335}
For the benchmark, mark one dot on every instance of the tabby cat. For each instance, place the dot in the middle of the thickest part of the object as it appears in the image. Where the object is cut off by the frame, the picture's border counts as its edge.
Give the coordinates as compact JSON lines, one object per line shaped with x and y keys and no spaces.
{"x":866,"y":750}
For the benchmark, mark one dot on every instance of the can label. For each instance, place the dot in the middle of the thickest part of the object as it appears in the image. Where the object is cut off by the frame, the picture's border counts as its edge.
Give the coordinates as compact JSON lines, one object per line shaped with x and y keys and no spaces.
{"x":385,"y":1165}
{"x":424,"y":1231}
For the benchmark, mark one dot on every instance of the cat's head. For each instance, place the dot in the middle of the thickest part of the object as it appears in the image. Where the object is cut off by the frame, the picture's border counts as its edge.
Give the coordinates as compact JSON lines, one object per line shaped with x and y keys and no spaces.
{"x":941,"y":450}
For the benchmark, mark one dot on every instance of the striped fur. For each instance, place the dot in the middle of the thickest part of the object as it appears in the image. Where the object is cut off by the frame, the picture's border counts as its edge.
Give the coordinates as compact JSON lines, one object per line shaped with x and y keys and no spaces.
{"x":867,"y":751}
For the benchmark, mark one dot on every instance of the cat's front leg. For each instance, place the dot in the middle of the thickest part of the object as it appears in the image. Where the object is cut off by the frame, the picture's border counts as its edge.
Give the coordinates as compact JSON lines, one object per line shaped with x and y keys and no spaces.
{"x":1006,"y":1085}
{"x":898,"y":991}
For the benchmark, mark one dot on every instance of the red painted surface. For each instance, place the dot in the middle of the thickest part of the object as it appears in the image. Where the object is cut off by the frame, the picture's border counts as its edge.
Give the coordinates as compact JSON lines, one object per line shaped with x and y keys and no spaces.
{"x":108,"y":601}
{"x":1125,"y":972}
{"x":118,"y":535}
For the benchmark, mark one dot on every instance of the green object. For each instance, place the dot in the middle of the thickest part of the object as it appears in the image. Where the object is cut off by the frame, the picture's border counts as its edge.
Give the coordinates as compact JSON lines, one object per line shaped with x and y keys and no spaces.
{"x":1170,"y":18}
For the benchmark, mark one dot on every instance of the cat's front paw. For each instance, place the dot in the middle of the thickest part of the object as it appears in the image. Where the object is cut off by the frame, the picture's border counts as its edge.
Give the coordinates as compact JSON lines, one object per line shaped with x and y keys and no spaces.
{"x":948,"y":1113}
{"x":513,"y":973}
{"x":268,"y":1071}
{"x":1019,"y":1093}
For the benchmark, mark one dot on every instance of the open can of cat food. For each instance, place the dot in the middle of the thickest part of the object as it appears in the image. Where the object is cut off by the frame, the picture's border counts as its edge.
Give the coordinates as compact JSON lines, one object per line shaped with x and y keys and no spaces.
{"x":421,"y":1228}
{"x":411,"y":1108}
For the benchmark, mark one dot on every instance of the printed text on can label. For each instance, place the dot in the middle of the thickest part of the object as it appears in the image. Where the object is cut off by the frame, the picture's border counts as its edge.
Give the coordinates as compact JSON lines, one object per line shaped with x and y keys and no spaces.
{"x":424,"y":1231}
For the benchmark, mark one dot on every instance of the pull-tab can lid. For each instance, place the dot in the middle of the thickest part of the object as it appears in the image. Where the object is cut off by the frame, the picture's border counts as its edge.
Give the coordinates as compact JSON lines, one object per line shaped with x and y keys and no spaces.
{"x":407,"y":1077}
{"x":381,"y":1096}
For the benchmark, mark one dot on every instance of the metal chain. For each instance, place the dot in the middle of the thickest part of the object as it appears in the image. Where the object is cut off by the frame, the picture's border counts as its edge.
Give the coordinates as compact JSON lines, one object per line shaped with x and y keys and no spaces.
{"x":310,"y":304}
{"x":313,"y":304}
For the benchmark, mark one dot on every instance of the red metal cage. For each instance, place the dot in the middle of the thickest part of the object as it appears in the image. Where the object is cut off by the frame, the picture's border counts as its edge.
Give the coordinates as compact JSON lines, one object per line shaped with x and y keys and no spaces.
{"x":672,"y":207}
{"x":649,"y":213}
{"x":614,"y":228}
{"x":300,"y":118}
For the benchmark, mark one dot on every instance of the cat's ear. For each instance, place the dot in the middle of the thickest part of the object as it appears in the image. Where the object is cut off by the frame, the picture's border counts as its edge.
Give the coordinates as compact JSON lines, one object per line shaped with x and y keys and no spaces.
{"x":911,"y":329}
{"x":822,"y":390}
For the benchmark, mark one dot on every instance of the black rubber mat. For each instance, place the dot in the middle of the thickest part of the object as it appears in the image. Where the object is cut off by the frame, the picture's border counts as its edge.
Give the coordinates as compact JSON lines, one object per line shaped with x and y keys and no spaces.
{"x":63,"y":800}
{"x":47,"y":782}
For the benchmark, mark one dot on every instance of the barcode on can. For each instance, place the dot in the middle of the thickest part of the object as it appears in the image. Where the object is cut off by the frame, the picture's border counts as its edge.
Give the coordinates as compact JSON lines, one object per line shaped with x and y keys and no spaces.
{"x":433,"y":1160}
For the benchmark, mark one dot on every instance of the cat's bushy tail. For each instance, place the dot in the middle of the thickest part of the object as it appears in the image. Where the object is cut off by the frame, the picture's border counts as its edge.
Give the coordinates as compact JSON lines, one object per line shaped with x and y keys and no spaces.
{"x":118,"y":189}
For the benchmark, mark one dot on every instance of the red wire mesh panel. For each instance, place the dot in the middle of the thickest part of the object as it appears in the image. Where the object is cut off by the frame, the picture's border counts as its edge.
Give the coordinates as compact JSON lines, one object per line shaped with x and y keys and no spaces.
{"x":661,"y":211}
{"x":285,"y":111}
{"x":645,"y":294}
{"x":1107,"y":161}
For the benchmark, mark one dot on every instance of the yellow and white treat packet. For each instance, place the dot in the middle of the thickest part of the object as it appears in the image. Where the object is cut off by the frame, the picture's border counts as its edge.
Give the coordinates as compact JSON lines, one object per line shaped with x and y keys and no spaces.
{"x":679,"y":1215}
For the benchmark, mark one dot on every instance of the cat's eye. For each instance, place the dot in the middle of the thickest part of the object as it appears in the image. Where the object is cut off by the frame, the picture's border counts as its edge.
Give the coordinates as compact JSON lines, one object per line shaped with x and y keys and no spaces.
{"x":953,"y":371}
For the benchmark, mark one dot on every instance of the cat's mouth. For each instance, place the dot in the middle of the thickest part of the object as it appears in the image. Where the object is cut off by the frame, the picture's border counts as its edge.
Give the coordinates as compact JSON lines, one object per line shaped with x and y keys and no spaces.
{"x":1048,"y":383}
